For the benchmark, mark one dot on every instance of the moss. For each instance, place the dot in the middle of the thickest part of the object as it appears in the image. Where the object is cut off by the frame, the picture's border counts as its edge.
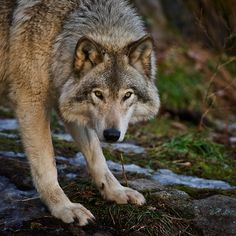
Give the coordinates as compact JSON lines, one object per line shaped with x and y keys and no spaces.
{"x":181,"y":87}
{"x":150,"y":129}
{"x":8,"y":144}
{"x":154,"y":218}
{"x":203,"y":193}
{"x":64,"y":148}
{"x":12,"y":131}
{"x":151,"y":219}
{"x":190,"y":154}
{"x":61,"y":147}
{"x":204,"y":158}
{"x":6,"y":113}
{"x":55,"y":124}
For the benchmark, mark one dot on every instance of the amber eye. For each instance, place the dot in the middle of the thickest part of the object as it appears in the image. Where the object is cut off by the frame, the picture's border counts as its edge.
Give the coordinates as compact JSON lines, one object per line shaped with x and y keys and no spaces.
{"x":98,"y":94}
{"x":127,"y":95}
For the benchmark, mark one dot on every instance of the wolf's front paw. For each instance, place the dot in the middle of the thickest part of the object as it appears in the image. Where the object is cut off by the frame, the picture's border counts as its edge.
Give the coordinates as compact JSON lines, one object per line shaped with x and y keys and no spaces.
{"x":125,"y":195}
{"x":73,"y":211}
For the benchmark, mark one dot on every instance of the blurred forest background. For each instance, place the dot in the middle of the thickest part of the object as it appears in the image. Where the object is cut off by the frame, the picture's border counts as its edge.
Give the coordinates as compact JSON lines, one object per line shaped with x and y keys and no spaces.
{"x":196,"y":50}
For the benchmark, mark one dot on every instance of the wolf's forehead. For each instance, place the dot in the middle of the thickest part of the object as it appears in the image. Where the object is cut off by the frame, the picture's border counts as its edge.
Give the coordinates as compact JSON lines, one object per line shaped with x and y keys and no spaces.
{"x":120,"y":82}
{"x":115,"y":75}
{"x":116,"y":78}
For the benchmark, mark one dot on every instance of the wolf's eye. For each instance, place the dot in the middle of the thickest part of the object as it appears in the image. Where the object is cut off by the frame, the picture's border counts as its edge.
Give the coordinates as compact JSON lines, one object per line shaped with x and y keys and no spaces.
{"x":98,"y":94}
{"x":127,"y":95}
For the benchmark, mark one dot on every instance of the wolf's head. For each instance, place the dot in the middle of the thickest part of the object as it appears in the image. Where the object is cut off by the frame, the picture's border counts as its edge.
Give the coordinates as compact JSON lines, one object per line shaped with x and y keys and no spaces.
{"x":108,"y":89}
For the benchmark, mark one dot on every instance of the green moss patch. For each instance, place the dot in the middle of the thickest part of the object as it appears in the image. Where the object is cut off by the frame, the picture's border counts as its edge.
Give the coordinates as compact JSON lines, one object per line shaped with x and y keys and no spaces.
{"x":65,"y":148}
{"x":194,"y":154}
{"x":6,"y":113}
{"x":9,"y":144}
{"x":204,"y":193}
{"x":190,"y":154}
{"x":181,"y":88}
{"x":154,"y":218}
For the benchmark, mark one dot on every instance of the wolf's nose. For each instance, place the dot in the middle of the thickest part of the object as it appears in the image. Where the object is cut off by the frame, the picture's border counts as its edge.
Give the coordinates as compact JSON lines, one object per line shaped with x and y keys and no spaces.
{"x":111,"y":135}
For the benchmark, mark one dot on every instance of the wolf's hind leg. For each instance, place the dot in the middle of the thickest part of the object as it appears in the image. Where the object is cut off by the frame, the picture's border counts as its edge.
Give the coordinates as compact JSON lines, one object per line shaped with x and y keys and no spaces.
{"x":108,"y":185}
{"x":34,"y":124}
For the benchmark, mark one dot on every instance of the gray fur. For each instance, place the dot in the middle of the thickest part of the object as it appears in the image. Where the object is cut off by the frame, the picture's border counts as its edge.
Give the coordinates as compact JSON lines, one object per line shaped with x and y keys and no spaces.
{"x":91,"y":61}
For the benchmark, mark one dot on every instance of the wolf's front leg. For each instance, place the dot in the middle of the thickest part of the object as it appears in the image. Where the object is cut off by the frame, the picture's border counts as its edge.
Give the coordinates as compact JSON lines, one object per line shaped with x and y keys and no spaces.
{"x":108,"y":185}
{"x":35,"y":129}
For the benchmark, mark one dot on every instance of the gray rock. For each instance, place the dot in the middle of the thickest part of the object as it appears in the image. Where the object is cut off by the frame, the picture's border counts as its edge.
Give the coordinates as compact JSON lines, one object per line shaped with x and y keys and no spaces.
{"x":232,"y":140}
{"x":12,"y":154}
{"x":63,"y":137}
{"x":172,"y":194}
{"x":137,"y":234}
{"x":176,"y":200}
{"x":145,"y":184}
{"x":12,"y":136}
{"x":16,"y":206}
{"x":216,"y":215}
{"x":132,"y":168}
{"x":167,"y":177}
{"x":102,"y":234}
{"x":8,"y":124}
{"x":125,"y":148}
{"x":222,"y":126}
{"x":78,"y":160}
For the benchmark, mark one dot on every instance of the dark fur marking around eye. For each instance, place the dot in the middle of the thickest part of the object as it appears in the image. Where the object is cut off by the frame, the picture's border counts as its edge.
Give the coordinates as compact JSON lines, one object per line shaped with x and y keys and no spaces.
{"x":81,"y":97}
{"x":84,"y":95}
{"x":142,"y":95}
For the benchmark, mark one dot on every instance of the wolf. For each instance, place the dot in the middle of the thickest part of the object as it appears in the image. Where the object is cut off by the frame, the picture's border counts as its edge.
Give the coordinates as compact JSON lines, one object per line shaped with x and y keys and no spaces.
{"x":92,"y":62}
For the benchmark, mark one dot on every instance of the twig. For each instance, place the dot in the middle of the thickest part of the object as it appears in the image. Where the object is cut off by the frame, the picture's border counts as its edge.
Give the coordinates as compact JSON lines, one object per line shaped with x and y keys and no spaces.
{"x":123,"y":170}
{"x":27,"y":199}
{"x":113,"y":220}
{"x":227,"y":84}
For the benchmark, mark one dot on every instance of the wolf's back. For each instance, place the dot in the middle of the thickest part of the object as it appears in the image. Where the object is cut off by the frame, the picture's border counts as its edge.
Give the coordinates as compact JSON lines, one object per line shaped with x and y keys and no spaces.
{"x":34,"y":26}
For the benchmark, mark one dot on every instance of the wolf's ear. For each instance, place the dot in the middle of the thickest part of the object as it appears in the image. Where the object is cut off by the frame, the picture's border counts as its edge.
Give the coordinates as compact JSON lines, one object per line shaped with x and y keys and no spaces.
{"x":139,"y":53}
{"x":87,"y":55}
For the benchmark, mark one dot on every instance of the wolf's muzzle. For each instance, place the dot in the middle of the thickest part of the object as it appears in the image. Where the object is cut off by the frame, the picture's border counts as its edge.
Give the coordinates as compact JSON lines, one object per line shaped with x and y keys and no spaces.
{"x":111,"y":135}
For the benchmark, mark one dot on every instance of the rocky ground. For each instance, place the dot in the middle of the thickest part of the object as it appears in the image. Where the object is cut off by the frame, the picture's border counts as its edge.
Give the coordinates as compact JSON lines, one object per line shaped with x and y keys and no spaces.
{"x":184,"y":161}
{"x":176,"y":204}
